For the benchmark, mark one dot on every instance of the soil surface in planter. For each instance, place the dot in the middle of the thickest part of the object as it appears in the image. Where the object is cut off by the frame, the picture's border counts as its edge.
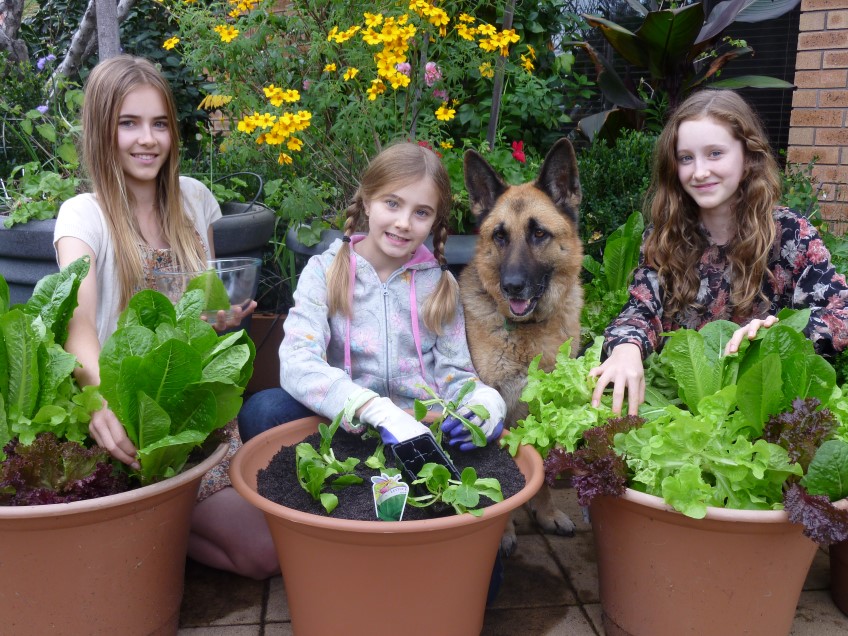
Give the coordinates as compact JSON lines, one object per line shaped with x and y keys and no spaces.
{"x":279,"y":482}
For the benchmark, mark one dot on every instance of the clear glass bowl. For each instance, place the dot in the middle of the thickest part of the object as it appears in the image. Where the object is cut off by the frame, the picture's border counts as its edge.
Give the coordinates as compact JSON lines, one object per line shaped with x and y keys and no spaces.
{"x":240,"y":278}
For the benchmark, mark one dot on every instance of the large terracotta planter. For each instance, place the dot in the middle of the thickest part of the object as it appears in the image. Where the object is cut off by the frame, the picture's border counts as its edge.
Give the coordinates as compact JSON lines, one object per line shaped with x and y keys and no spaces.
{"x":426,"y":577}
{"x":113,"y":565}
{"x":662,"y":573}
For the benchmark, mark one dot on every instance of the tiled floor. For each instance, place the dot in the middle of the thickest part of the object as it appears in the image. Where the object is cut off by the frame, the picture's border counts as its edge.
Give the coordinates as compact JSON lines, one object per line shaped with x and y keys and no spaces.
{"x":550,"y":588}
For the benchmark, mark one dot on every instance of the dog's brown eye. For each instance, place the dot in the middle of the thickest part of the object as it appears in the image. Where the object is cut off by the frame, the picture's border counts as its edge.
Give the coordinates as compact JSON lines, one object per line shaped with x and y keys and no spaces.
{"x":540,"y":234}
{"x":499,"y":235}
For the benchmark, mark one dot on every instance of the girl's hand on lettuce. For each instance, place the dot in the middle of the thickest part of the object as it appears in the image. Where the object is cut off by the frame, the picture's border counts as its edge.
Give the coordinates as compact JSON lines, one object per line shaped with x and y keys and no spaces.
{"x":624,"y":370}
{"x":749,"y":331}
{"x":109,"y":433}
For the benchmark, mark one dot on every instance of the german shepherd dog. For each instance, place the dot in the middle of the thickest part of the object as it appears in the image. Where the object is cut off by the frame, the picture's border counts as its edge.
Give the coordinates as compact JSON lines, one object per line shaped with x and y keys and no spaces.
{"x":521,"y":292}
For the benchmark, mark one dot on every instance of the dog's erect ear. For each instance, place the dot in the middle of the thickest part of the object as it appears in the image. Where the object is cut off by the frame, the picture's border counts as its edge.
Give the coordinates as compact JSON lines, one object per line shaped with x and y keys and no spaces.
{"x":560,"y":180}
{"x":484,"y":185}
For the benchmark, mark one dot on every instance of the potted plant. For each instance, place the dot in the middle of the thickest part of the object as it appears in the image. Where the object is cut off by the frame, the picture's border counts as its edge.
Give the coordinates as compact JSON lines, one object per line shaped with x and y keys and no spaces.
{"x":82,"y":562}
{"x":700,"y":507}
{"x":399,"y":561}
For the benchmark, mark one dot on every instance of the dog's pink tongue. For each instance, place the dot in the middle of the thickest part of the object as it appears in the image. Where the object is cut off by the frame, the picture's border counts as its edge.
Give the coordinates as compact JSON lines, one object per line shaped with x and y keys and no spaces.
{"x":519,"y":307}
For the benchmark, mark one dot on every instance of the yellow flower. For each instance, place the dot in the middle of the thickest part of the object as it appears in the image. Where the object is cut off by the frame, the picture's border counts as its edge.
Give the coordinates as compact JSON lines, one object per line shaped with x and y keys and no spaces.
{"x":274,"y":94}
{"x":350,"y":73}
{"x":227,"y":33}
{"x":340,"y":37}
{"x":291,"y":95}
{"x":170,"y":43}
{"x":446,"y":145}
{"x":329,"y":68}
{"x":443,"y":113}
{"x":211,"y":102}
{"x":466,"y":32}
{"x":266,"y":120}
{"x":487,"y":29}
{"x":531,"y":51}
{"x":294,"y":144}
{"x":373,"y":19}
{"x":247,"y":124}
{"x":464,"y":17}
{"x":486,"y":70}
{"x":284,"y":159}
{"x":527,"y":63}
{"x":377,"y":88}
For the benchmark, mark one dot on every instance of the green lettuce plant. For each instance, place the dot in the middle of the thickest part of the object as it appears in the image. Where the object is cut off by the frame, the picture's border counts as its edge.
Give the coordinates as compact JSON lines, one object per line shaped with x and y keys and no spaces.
{"x":762,"y":429}
{"x":171,"y":379}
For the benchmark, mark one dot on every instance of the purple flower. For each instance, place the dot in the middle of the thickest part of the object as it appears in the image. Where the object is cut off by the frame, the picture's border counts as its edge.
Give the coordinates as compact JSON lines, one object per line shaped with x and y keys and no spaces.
{"x":441,"y":94}
{"x":42,"y":61}
{"x":41,"y":109}
{"x":307,"y":84}
{"x":404,"y":67}
{"x":432,"y":73}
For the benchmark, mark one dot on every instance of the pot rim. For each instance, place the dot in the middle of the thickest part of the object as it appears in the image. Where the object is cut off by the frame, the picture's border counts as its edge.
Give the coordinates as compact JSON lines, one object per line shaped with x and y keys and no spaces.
{"x":75,"y":507}
{"x":717,"y":514}
{"x":527,"y":458}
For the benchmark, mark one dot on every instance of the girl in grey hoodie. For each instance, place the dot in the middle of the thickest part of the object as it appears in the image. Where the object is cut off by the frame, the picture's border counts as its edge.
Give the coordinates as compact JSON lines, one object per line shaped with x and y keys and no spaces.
{"x":377,"y":316}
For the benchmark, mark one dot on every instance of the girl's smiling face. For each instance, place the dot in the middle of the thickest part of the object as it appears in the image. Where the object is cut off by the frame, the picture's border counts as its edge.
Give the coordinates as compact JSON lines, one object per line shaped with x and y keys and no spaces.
{"x":710,"y":164}
{"x":399,"y":221}
{"x":144,"y":139}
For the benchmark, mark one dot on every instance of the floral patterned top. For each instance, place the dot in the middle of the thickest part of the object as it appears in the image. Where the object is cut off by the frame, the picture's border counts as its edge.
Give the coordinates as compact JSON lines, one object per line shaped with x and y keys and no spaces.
{"x":803,"y":277}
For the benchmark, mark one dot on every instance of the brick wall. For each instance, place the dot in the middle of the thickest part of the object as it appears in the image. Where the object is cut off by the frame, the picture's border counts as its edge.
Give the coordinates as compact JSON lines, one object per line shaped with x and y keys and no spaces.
{"x":820,"y":102}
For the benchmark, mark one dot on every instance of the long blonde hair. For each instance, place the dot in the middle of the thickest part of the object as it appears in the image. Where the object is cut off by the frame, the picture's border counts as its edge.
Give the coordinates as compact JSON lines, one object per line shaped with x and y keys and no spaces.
{"x":675,"y":246}
{"x":105,"y":90}
{"x":401,"y":163}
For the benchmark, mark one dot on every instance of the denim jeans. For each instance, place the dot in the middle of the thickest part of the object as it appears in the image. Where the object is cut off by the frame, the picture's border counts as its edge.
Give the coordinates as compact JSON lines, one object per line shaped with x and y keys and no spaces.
{"x":267,"y":409}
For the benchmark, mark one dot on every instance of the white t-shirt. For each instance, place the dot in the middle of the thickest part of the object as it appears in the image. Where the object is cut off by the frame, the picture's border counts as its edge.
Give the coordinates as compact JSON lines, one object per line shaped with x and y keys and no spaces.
{"x":81,"y":217}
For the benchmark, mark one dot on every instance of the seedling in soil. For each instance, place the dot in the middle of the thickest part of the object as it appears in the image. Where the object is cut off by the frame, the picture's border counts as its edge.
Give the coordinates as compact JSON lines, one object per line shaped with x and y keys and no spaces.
{"x":315,"y":468}
{"x":452,"y":408}
{"x":462,"y":495}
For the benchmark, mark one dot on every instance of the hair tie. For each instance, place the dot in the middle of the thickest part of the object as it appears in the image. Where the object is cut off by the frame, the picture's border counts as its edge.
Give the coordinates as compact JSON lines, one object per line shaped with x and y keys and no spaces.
{"x":444,"y":267}
{"x":345,"y":239}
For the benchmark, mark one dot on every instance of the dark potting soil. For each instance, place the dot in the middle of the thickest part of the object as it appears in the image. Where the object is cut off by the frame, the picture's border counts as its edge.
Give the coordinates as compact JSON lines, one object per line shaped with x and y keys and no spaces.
{"x":278,"y":482}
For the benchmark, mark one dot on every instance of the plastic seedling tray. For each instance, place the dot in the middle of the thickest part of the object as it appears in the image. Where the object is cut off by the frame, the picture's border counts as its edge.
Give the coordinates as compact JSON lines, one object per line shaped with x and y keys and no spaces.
{"x":412,"y":454}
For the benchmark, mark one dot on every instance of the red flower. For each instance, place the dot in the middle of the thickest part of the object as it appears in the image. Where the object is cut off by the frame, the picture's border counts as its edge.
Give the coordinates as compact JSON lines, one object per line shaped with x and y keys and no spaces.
{"x":518,"y":151}
{"x":428,"y":146}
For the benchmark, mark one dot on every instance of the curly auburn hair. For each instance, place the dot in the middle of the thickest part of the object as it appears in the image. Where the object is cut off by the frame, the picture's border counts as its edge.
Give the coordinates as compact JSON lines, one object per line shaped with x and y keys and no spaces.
{"x":675,"y":246}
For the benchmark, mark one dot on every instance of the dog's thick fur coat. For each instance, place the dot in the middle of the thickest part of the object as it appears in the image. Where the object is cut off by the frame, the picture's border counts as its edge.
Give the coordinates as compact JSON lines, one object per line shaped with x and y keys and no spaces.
{"x":521,"y":292}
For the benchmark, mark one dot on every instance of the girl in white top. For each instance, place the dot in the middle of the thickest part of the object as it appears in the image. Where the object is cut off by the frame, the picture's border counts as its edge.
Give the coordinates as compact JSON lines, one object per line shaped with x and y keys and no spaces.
{"x":142,"y":215}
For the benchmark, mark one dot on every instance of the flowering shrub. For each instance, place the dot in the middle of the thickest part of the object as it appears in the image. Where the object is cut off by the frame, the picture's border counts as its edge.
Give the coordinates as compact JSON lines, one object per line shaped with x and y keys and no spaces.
{"x":318,"y":88}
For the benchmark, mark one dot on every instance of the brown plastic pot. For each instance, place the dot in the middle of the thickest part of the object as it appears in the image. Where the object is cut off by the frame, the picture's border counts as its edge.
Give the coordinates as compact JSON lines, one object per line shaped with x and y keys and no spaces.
{"x":112,"y":565}
{"x":663,"y":573}
{"x":371,"y":577}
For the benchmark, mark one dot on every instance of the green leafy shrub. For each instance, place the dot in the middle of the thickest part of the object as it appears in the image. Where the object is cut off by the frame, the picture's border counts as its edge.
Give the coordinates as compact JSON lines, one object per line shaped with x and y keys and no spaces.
{"x":614,"y":180}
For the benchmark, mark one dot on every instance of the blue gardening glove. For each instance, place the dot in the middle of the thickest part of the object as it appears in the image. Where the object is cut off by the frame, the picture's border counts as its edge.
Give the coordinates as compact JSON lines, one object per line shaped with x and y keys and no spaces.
{"x":392,"y":422}
{"x":458,"y":434}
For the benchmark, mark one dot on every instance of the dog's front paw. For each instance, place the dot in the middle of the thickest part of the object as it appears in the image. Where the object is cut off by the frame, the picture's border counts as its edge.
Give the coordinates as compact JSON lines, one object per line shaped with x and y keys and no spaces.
{"x":509,"y":543}
{"x":553,"y":521}
{"x":509,"y":540}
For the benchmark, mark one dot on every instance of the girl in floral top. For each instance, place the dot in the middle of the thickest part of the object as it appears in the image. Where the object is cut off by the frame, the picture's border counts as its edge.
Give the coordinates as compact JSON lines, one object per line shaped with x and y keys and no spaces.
{"x":376,"y":317}
{"x":719,"y":247}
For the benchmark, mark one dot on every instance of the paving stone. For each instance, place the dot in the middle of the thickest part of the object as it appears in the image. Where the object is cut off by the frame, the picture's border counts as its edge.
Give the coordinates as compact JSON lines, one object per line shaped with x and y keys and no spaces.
{"x":532,"y":578}
{"x":278,"y":629}
{"x":222,"y":630}
{"x":550,"y":621}
{"x":278,"y":607}
{"x":213,"y":597}
{"x":576,"y":556}
{"x":818,"y":616}
{"x":819,"y":576}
